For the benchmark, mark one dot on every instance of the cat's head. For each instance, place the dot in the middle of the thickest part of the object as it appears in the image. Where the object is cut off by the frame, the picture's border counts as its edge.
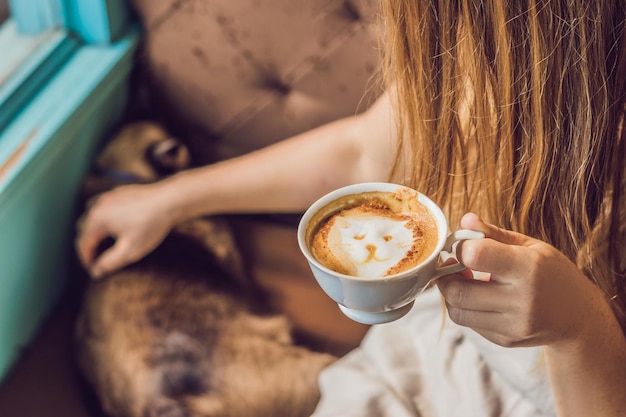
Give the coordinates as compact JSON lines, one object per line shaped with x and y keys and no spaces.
{"x":140,"y":152}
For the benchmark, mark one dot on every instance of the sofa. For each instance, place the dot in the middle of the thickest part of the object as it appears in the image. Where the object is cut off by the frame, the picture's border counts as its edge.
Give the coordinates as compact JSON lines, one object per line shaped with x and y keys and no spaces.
{"x":228,"y":78}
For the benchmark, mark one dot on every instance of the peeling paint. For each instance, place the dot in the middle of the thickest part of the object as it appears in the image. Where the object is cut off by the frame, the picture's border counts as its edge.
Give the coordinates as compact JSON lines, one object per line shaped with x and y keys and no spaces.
{"x":16,"y":155}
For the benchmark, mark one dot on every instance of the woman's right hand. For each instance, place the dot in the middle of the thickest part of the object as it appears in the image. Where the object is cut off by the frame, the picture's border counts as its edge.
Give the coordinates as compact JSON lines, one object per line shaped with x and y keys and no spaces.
{"x":136,"y":217}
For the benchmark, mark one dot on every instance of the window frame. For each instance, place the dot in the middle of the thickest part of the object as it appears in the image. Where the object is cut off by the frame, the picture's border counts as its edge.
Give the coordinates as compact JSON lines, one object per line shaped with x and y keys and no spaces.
{"x":57,"y":102}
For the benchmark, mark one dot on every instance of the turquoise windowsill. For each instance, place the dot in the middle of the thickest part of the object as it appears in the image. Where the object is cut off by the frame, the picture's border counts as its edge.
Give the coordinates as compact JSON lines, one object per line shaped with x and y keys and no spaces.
{"x":93,"y":21}
{"x":44,"y":154}
{"x":27,"y":62}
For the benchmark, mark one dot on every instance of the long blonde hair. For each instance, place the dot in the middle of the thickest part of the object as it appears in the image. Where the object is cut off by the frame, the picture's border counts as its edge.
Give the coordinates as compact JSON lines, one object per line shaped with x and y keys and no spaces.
{"x":513,"y":109}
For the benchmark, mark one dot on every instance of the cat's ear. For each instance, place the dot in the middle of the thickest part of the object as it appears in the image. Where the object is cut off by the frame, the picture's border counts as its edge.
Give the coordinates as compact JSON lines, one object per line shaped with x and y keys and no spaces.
{"x":168,"y":156}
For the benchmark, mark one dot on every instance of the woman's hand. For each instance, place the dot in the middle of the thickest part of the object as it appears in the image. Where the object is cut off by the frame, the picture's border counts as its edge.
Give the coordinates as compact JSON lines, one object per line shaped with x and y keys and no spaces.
{"x":535,"y":295}
{"x":136,"y":217}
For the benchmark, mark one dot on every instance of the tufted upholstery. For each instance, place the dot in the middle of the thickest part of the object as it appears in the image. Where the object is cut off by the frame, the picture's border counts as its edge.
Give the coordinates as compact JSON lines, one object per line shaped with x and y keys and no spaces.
{"x":247,"y":73}
{"x":234,"y":76}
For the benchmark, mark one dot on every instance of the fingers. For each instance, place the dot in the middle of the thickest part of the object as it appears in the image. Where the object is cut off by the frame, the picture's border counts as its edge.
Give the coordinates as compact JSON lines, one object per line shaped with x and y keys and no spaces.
{"x":111,"y":260}
{"x":491,"y":321}
{"x":517,"y":305}
{"x":470,"y":294}
{"x":118,"y":217}
{"x":503,"y":262}
{"x":502,"y":253}
{"x":473,"y":222}
{"x":482,"y":306}
{"x":499,"y":327}
{"x":91,"y":244}
{"x":87,"y":244}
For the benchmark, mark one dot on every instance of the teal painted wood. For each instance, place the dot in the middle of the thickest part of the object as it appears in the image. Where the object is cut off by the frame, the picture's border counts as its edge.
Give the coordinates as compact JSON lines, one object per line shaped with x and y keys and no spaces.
{"x":93,"y":21}
{"x":37,"y":16}
{"x":97,"y":21}
{"x":44,"y":154}
{"x":28,"y":62}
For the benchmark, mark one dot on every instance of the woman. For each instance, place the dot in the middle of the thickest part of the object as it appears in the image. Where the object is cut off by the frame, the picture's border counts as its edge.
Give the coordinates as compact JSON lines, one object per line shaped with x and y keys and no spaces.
{"x":512,"y":111}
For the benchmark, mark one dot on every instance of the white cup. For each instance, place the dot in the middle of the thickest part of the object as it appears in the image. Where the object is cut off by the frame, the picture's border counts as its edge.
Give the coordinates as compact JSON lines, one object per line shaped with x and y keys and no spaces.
{"x":383,"y":299}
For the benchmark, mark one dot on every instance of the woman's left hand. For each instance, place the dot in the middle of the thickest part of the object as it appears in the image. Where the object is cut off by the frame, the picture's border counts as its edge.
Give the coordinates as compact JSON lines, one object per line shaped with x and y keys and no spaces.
{"x":535,"y":294}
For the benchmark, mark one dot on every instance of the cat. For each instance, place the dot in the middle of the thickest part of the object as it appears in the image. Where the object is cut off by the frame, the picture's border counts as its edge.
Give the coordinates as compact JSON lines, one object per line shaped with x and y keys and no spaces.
{"x":182,"y":332}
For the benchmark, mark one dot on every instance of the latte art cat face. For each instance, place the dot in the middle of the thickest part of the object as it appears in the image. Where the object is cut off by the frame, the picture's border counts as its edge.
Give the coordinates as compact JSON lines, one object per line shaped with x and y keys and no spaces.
{"x":375,"y":234}
{"x":368,"y":246}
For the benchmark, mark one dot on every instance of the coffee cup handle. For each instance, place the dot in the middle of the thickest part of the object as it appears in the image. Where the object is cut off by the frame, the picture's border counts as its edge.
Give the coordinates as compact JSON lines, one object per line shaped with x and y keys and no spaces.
{"x":461,"y":234}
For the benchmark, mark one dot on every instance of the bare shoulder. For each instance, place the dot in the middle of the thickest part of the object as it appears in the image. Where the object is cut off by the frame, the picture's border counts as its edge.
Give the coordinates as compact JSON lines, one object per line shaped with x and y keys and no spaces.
{"x":376,"y":130}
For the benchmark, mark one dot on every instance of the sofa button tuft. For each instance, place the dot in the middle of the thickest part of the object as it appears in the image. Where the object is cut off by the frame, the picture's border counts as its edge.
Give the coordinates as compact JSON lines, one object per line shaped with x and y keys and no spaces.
{"x":279,"y":86}
{"x":352,"y":12}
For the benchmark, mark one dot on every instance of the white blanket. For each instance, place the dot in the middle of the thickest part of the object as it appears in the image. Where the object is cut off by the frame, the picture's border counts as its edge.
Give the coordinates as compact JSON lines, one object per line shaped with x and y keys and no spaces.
{"x":425,"y":365}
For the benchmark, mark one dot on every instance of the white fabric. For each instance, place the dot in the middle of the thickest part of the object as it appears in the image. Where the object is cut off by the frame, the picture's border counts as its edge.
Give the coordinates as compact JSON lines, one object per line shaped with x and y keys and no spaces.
{"x":427,"y":366}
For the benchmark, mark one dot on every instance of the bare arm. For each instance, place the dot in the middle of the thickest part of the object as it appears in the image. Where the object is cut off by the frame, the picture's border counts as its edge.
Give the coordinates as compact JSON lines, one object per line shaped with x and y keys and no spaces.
{"x":288,"y":176}
{"x":285,"y":177}
{"x":588,"y":372}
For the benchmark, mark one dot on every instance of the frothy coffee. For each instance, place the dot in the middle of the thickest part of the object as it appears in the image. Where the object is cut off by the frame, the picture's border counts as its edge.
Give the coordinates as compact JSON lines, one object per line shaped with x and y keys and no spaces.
{"x":373,"y":234}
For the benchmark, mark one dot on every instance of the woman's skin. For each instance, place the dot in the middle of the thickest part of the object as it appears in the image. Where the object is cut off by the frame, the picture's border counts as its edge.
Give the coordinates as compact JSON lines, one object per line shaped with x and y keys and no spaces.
{"x":536,"y":296}
{"x":282,"y":178}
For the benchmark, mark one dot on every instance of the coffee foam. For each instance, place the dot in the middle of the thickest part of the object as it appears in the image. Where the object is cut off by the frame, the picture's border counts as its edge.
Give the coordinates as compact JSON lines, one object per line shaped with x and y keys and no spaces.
{"x":374,"y":234}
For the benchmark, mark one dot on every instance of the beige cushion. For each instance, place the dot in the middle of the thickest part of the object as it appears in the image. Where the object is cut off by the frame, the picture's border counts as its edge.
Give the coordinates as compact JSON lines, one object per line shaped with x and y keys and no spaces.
{"x":247,"y":73}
